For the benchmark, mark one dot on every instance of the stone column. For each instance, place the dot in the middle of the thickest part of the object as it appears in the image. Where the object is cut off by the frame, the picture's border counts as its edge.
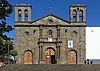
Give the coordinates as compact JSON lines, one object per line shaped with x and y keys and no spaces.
{"x":58,"y":52}
{"x":84,"y":15}
{"x":71,"y":14}
{"x":23,"y":15}
{"x":58,"y":45}
{"x":16,"y":14}
{"x":58,"y":55}
{"x":77,"y":17}
{"x":40,"y":52}
{"x":58,"y":32}
{"x":41,"y":61}
{"x":29,"y":13}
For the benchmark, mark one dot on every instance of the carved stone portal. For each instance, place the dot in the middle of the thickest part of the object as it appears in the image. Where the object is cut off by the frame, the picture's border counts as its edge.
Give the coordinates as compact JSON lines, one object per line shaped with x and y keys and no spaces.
{"x":50,"y":56}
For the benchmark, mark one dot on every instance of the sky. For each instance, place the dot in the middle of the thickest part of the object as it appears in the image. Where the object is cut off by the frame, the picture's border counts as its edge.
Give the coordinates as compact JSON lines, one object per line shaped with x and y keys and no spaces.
{"x":60,"y":8}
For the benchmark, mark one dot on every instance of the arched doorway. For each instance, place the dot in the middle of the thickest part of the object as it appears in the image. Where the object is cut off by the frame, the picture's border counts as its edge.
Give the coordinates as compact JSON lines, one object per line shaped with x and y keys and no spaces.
{"x":72,"y":57}
{"x":28,"y":57}
{"x":50,"y":56}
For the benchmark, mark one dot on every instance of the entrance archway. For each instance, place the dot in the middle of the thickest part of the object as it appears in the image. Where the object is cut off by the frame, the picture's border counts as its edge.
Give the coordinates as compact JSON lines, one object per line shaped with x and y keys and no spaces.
{"x":72,"y":57}
{"x":28,"y":57}
{"x":50,"y":56}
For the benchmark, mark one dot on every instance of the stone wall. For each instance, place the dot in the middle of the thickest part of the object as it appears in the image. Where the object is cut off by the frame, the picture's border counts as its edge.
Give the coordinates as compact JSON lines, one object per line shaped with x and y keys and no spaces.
{"x":27,"y":39}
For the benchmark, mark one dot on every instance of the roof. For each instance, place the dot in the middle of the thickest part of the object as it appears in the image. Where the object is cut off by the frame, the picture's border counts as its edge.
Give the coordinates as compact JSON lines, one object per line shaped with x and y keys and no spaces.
{"x":23,"y":5}
{"x":78,"y":5}
{"x":53,"y":16}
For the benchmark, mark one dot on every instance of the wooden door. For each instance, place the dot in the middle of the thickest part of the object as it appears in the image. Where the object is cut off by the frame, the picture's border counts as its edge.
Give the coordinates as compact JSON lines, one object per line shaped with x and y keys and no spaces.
{"x":48,"y":54}
{"x":28,"y":57}
{"x":72,"y":57}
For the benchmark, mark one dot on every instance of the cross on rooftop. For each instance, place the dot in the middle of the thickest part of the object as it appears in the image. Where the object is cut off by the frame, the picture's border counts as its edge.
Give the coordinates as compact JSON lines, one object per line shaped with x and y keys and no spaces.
{"x":50,"y":10}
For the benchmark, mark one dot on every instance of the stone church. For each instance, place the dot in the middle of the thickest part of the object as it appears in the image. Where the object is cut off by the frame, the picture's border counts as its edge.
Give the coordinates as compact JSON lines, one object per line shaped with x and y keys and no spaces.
{"x":50,"y":39}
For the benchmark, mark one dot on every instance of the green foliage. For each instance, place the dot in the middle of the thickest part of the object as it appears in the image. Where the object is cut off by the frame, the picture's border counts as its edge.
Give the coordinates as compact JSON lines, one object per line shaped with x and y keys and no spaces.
{"x":5,"y":10}
{"x":13,"y":52}
{"x":3,"y":57}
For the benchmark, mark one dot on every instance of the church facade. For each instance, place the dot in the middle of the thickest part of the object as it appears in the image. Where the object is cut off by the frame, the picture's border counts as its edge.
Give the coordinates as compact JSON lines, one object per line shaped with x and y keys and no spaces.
{"x":50,"y":39}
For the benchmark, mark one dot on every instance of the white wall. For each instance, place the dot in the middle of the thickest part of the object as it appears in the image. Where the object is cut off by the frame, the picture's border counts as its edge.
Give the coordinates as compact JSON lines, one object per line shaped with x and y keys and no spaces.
{"x":93,"y":43}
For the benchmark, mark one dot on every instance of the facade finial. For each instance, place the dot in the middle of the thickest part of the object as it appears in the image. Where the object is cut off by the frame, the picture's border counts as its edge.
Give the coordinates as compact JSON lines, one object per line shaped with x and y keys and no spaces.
{"x":50,"y":10}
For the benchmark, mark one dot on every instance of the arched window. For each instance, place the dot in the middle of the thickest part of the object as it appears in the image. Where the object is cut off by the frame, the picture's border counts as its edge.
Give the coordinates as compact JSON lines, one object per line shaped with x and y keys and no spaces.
{"x":19,"y":15}
{"x":81,"y":16}
{"x":74,"y":15}
{"x":26,"y":14}
{"x":50,"y":33}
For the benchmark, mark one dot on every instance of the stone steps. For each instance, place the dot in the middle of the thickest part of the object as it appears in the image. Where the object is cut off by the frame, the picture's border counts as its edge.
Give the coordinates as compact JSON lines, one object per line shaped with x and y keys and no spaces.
{"x":54,"y":67}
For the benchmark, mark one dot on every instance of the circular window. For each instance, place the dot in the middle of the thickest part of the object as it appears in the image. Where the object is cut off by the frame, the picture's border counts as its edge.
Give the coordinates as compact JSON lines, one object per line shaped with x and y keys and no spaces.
{"x":27,"y":32}
{"x":50,"y":21}
{"x":74,"y":33}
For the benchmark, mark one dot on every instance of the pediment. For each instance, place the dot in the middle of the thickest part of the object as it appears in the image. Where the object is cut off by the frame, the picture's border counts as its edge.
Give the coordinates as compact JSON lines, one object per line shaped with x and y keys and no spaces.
{"x":50,"y":20}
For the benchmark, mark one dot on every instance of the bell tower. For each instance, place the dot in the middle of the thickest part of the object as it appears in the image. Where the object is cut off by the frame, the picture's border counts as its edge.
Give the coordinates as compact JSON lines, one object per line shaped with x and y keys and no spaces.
{"x":78,"y":13}
{"x":23,"y":12}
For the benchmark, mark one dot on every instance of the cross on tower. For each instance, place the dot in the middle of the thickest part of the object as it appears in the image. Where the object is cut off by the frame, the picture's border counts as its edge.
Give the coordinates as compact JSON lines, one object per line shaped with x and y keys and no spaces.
{"x":50,"y":10}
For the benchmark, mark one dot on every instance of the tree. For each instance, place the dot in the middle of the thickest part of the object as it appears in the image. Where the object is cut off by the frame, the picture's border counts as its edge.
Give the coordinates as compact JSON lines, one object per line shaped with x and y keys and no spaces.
{"x":13,"y":52}
{"x":5,"y":10}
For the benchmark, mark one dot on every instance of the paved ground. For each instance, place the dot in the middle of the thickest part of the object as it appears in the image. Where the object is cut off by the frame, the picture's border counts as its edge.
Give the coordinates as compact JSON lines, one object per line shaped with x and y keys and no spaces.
{"x":41,"y":67}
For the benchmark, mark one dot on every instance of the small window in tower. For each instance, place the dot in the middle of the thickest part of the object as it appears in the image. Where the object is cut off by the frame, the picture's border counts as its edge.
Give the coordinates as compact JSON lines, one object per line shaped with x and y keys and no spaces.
{"x":19,"y":12}
{"x":74,"y":15}
{"x":81,"y":16}
{"x":50,"y":33}
{"x":26,"y":14}
{"x":19,"y":15}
